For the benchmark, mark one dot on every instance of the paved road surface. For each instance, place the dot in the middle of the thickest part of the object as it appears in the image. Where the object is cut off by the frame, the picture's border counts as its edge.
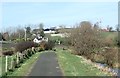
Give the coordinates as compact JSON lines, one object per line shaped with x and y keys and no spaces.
{"x":46,"y":65}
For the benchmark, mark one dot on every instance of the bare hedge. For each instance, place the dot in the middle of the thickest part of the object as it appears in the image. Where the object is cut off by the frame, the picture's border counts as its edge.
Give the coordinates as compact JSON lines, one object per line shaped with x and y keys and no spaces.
{"x":10,"y":52}
{"x":21,"y":46}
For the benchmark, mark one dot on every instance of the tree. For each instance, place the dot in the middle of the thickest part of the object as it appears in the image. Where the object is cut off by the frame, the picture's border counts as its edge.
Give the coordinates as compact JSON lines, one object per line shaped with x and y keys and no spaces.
{"x":109,"y":28}
{"x":85,"y":38}
{"x":28,"y":29}
{"x":28,"y":32}
{"x":0,"y":37}
{"x":41,"y":31}
{"x":96,"y":25}
{"x":20,"y":32}
{"x":41,"y":26}
{"x":6,"y":36}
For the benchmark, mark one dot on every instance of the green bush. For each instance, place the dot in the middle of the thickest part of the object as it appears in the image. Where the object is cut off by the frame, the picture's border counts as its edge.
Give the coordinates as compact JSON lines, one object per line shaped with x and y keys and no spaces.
{"x":65,"y":41}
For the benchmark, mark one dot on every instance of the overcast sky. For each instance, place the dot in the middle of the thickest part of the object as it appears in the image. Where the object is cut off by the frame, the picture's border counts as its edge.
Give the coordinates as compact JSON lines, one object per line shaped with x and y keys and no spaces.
{"x":58,"y":13}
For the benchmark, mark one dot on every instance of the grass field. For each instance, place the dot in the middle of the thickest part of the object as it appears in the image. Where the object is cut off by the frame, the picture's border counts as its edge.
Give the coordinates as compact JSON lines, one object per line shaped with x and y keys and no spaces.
{"x":7,"y":46}
{"x":110,"y":34}
{"x":72,"y":65}
{"x":2,"y":64}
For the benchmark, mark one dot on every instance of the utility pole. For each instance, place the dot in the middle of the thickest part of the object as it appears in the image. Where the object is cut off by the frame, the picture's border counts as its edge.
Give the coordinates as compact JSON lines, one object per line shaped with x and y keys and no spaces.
{"x":25,"y":34}
{"x":19,"y":35}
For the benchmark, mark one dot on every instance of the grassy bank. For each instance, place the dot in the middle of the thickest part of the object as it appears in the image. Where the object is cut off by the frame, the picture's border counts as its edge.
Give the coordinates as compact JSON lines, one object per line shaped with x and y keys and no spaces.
{"x":72,"y":65}
{"x":2,"y":64}
{"x":26,"y":66}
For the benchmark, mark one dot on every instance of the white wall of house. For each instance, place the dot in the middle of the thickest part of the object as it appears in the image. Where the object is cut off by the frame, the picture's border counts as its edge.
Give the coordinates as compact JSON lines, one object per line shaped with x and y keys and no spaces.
{"x":49,"y":31}
{"x":37,"y":41}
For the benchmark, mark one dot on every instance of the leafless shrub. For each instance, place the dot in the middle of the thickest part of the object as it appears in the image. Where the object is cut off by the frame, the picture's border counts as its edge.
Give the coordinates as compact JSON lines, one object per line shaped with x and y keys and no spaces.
{"x":47,"y":45}
{"x":88,"y":41}
{"x":21,"y":46}
{"x":7,"y":53}
{"x":42,"y":45}
{"x":85,"y":38}
{"x":108,"y":42}
{"x":111,"y":56}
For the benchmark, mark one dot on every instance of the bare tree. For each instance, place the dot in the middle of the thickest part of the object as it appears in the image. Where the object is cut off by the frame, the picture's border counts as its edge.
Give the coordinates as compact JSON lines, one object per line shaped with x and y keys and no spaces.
{"x":109,"y":28}
{"x":85,"y":38}
{"x":41,"y":25}
{"x":41,"y":31}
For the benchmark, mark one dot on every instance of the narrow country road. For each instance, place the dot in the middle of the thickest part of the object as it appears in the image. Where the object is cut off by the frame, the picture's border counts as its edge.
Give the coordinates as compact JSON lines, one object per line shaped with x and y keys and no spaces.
{"x":46,"y":65}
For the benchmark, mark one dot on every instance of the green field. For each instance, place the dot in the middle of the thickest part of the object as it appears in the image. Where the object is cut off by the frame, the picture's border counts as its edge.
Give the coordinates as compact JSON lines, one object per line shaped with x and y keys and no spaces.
{"x":7,"y":46}
{"x":109,"y":34}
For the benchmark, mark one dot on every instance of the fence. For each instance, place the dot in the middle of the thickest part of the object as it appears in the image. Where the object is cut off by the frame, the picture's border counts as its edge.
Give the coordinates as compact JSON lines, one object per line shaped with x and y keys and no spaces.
{"x":10,"y":62}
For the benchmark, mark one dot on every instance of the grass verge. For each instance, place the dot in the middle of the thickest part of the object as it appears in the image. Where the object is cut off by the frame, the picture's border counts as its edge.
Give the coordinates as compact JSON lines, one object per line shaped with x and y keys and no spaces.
{"x":26,"y":66}
{"x":72,"y":65}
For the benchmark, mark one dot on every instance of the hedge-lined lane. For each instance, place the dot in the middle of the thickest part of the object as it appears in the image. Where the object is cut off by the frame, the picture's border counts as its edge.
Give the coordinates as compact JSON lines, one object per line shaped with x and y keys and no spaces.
{"x":46,"y":65}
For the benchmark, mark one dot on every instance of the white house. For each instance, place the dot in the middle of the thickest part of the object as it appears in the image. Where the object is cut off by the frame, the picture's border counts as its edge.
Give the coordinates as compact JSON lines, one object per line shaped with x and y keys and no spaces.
{"x":49,"y":32}
{"x":37,"y":39}
{"x":40,"y":39}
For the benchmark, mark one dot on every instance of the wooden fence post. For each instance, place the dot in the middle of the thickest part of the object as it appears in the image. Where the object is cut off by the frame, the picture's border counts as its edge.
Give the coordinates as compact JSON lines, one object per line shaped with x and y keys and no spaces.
{"x":6,"y":66}
{"x":33,"y":50}
{"x":11,"y":62}
{"x":20,"y":57}
{"x":17,"y":58}
{"x":1,"y":67}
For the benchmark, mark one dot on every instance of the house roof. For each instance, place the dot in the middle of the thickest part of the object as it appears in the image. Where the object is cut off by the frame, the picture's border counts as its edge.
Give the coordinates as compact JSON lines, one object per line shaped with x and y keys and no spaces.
{"x":49,"y":29}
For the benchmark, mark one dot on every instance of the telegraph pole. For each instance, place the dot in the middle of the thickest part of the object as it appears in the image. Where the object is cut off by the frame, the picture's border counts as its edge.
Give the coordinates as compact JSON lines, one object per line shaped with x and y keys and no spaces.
{"x":25,"y":34}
